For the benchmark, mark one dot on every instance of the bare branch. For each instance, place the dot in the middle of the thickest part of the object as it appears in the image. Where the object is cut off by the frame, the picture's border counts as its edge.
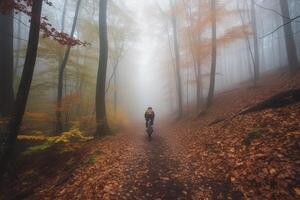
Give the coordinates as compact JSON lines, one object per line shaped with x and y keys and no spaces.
{"x":279,"y":27}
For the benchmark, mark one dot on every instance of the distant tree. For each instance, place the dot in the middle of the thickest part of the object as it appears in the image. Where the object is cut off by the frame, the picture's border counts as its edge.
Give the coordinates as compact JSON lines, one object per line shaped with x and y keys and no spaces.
{"x":6,"y":63}
{"x":213,"y":55}
{"x":18,"y":47}
{"x":195,"y":31}
{"x":247,"y":40}
{"x":118,"y":21}
{"x":289,"y":37}
{"x":115,"y":58}
{"x":198,"y":74}
{"x":115,"y":91}
{"x":255,"y":42}
{"x":101,"y":118}
{"x":59,"y":123}
{"x":193,"y":16}
{"x":23,"y":91}
{"x":177,"y":56}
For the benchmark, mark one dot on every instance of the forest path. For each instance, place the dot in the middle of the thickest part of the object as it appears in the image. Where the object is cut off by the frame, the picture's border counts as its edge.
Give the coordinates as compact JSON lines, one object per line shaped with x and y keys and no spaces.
{"x":188,"y":160}
{"x":152,"y":173}
{"x":125,"y":166}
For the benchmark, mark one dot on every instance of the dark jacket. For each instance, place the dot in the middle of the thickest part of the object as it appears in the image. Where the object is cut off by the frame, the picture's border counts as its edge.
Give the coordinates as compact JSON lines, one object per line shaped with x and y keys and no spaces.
{"x":149,"y":114}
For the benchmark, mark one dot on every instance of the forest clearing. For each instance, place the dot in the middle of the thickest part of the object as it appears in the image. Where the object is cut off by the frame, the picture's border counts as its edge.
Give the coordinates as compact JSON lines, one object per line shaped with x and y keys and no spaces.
{"x":83,"y":85}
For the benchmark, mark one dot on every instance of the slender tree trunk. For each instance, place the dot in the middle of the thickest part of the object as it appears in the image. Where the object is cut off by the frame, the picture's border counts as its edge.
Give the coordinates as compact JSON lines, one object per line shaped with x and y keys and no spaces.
{"x":17,"y":56}
{"x":115,"y":92}
{"x":82,"y":77}
{"x":289,"y":38}
{"x":63,"y":17}
{"x":255,"y":43}
{"x":59,"y":121}
{"x":213,"y":56}
{"x":177,"y":59}
{"x":101,"y":120}
{"x":6,"y":64}
{"x":25,"y":83}
{"x":199,"y":83}
{"x":247,"y":41}
{"x":187,"y":71}
{"x":199,"y":91}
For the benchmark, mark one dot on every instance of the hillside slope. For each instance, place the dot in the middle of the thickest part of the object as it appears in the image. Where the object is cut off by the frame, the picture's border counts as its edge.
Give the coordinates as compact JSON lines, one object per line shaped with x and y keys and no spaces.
{"x":257,"y":156}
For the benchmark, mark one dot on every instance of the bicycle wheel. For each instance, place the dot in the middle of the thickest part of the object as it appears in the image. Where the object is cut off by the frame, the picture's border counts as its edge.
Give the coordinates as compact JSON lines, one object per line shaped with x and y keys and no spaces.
{"x":149,"y":132}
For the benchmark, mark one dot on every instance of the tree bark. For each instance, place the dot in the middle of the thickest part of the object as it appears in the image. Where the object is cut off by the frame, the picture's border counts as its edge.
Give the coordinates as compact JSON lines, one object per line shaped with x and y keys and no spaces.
{"x":177,"y":59}
{"x":255,"y":43}
{"x":115,"y":92}
{"x":101,"y":119}
{"x":289,"y":37}
{"x":59,"y":120}
{"x":6,"y":64}
{"x":213,"y":56}
{"x":25,"y":83}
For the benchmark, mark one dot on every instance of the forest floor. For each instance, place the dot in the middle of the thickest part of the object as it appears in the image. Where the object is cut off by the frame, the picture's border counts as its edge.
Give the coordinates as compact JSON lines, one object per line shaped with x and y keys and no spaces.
{"x":255,"y":156}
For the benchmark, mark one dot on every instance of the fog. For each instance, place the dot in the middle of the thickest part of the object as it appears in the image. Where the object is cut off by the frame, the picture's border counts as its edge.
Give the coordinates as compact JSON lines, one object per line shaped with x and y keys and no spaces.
{"x":145,"y":73}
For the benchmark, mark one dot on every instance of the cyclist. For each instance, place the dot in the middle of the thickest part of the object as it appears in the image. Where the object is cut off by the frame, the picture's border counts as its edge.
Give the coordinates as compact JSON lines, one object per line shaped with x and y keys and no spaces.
{"x":149,"y":116}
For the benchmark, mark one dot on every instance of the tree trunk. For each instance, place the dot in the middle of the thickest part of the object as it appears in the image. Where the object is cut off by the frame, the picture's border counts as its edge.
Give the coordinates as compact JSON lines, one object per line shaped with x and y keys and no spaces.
{"x":247,"y":41}
{"x":115,"y":92}
{"x":177,"y":59}
{"x":255,"y":43}
{"x":23,"y":91}
{"x":6,"y":64}
{"x":101,"y":120}
{"x":17,"y":55}
{"x":59,"y":121}
{"x":213,"y":56}
{"x":63,"y":17}
{"x":289,"y":37}
{"x":199,"y":84}
{"x":199,"y":87}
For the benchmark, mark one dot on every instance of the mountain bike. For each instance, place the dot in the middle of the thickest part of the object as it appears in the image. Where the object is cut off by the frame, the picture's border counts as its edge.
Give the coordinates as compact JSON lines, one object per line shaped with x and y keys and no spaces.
{"x":149,"y":131}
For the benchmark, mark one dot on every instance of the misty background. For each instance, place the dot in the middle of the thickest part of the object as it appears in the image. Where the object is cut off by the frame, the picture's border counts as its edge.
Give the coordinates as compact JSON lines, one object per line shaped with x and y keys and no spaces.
{"x":141,"y":52}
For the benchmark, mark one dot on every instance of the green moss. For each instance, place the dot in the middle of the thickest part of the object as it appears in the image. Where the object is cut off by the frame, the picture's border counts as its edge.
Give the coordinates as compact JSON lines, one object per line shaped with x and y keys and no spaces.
{"x":37,"y":148}
{"x":74,"y":135}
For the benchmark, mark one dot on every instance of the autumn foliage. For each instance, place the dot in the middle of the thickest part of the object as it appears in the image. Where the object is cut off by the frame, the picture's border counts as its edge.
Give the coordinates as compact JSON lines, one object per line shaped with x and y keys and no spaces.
{"x":46,"y":27}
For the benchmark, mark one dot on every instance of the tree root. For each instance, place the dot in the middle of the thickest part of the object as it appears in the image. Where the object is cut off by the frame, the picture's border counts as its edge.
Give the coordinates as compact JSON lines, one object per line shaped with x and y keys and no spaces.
{"x":278,"y":100}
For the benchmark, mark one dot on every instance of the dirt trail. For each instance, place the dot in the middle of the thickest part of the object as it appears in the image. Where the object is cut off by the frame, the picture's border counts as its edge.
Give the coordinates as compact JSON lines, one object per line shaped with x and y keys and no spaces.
{"x":128,"y":166}
{"x":158,"y":180}
{"x":136,"y":169}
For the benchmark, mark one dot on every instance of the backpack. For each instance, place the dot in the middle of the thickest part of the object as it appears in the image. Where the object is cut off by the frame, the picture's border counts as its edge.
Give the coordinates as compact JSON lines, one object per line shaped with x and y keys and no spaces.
{"x":149,"y":113}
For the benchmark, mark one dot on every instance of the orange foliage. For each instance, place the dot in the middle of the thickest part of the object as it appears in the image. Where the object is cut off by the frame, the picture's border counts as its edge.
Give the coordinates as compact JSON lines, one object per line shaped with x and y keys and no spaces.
{"x":197,"y":23}
{"x":234,"y":33}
